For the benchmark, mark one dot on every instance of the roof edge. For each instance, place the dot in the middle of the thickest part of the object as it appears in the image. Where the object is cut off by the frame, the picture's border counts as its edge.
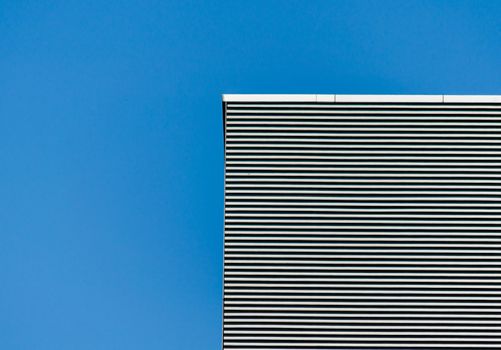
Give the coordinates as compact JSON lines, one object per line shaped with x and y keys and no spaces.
{"x":314,"y":98}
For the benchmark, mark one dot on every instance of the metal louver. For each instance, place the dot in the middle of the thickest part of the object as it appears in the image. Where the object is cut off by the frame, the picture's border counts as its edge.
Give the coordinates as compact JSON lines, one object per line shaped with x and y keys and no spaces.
{"x":362,"y":222}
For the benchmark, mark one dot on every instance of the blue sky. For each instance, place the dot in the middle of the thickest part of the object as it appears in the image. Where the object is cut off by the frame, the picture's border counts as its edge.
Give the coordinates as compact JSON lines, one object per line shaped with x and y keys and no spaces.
{"x":111,"y":154}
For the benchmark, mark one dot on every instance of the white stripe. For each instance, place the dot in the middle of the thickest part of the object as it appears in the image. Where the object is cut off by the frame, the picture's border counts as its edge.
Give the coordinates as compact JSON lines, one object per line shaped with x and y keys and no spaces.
{"x":362,"y":221}
{"x":274,"y":346}
{"x":326,"y":156}
{"x":330,"y":332}
{"x":368,"y":262}
{"x":313,"y":240}
{"x":229,"y":290}
{"x":374,"y":106}
{"x":350,"y":303}
{"x":428,"y":255}
{"x":363,"y":214}
{"x":338,"y":328}
{"x":356,"y":315}
{"x":351,"y":152}
{"x":464,"y":128}
{"x":392,"y":298}
{"x":374,"y":140}
{"x":392,"y":186}
{"x":274,"y":162}
{"x":336,"y":280}
{"x":376,"y":340}
{"x":255,"y":243}
{"x":437,"y":113}
{"x":266,"y":143}
{"x":391,"y":191}
{"x":379,"y":115}
{"x":360,"y":169}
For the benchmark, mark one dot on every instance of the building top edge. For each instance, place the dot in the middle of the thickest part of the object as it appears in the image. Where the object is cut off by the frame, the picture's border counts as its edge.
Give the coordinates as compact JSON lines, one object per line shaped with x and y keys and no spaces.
{"x":326,"y":98}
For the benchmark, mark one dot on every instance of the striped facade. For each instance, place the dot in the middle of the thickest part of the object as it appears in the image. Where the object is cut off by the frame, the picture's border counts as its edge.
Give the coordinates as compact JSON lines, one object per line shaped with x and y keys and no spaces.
{"x":362,"y":222}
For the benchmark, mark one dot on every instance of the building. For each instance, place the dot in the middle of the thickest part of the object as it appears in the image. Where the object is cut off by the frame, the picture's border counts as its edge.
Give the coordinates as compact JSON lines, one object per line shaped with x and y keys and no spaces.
{"x":362,"y":222}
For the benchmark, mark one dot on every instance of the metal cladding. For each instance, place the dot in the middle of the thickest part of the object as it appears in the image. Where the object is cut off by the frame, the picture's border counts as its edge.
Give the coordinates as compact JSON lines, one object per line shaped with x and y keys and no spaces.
{"x":362,"y":222}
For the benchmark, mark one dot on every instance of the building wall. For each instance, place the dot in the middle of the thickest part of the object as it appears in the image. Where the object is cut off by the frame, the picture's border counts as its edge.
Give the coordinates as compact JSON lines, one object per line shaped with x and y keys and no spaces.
{"x":364,"y":222}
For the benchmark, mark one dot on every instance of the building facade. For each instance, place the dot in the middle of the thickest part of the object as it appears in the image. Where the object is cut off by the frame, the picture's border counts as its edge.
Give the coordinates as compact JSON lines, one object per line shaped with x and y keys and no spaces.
{"x":362,"y":222}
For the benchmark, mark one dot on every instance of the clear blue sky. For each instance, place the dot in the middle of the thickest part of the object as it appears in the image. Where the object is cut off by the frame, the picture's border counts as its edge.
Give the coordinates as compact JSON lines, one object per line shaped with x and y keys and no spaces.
{"x":111,"y":154}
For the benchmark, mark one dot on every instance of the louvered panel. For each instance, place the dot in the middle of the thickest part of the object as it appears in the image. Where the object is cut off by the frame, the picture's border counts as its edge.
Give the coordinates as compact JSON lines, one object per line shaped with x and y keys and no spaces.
{"x":358,"y":224}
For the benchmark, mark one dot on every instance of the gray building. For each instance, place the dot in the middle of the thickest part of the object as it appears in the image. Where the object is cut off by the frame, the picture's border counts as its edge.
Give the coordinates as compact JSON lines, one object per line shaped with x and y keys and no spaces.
{"x":362,"y":222}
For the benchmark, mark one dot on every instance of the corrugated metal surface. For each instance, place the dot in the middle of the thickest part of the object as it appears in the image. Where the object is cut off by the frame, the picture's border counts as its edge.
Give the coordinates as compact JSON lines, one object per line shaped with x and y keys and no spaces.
{"x":362,"y":225}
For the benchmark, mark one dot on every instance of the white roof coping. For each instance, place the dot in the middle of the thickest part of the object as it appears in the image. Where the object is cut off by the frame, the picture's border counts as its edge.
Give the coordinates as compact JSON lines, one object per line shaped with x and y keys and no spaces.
{"x":473,"y":98}
{"x":390,"y":98}
{"x":269,"y":98}
{"x":362,"y":98}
